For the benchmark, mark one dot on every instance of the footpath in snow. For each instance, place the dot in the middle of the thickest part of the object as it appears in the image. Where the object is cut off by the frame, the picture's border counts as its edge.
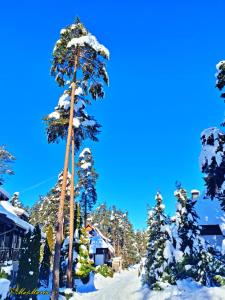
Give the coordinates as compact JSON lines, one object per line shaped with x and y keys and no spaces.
{"x":127,"y":286}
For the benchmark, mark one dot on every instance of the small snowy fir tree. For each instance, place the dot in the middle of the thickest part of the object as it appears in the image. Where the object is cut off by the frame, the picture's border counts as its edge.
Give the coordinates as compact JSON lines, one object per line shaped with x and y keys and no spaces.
{"x":15,"y":200}
{"x":159,"y":265}
{"x":5,"y":159}
{"x":187,"y":237}
{"x":84,"y":264}
{"x":28,"y":272}
{"x":87,"y":181}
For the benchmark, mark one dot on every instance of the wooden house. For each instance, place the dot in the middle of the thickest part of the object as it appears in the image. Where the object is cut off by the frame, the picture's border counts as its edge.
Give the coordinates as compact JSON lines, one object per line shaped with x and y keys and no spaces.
{"x":13,"y":226}
{"x":101,"y":251}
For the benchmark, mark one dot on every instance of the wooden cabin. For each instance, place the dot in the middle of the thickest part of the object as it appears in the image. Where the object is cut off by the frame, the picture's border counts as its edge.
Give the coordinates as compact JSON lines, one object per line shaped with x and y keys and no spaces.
{"x":13,"y":226}
{"x":101,"y":251}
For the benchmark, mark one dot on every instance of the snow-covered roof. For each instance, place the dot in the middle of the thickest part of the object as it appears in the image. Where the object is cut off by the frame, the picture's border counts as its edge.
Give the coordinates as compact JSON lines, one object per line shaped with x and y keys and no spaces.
{"x":98,"y":240}
{"x":9,"y":211}
{"x":210,"y":212}
{"x":3,"y":195}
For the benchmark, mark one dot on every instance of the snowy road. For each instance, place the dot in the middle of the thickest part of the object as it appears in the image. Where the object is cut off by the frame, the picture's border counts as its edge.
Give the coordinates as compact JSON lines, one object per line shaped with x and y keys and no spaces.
{"x":124,"y":286}
{"x":127,"y":286}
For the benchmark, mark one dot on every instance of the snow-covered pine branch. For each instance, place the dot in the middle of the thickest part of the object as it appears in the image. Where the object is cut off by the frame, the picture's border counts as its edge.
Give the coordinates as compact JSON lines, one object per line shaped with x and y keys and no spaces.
{"x":84,"y":125}
{"x":5,"y":159}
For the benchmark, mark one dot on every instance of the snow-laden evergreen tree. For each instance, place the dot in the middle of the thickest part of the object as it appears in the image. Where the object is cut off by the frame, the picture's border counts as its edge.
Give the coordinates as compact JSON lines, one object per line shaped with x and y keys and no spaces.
{"x":45,"y":210}
{"x":102,"y":218}
{"x":141,"y":238}
{"x":15,"y":200}
{"x":210,"y":270}
{"x":129,"y":249}
{"x":6,"y":158}
{"x":87,"y":181}
{"x":187,"y":237}
{"x":116,"y":226}
{"x":46,"y":261}
{"x":45,"y":266}
{"x":212,"y":157}
{"x":84,"y":264}
{"x":160,"y":261}
{"x":28,"y":272}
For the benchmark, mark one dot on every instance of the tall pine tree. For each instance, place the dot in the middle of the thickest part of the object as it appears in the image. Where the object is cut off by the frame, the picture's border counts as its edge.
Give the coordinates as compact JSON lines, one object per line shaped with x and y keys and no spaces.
{"x":78,"y":64}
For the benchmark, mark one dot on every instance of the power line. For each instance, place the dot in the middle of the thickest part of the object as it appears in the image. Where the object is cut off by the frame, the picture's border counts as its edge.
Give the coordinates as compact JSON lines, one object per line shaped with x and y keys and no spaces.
{"x":32,"y":187}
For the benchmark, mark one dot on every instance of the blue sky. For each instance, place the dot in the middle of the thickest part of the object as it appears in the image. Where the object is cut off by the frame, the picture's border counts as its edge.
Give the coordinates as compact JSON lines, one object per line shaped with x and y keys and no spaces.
{"x":162,"y":94}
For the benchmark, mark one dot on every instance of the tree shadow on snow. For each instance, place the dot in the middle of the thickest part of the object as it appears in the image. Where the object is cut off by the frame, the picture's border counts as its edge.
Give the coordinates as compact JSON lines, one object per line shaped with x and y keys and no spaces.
{"x":86,"y":288}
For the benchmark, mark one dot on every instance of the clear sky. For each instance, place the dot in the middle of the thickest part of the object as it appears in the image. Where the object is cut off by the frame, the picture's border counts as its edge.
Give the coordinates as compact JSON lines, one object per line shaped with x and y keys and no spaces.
{"x":162,"y":94}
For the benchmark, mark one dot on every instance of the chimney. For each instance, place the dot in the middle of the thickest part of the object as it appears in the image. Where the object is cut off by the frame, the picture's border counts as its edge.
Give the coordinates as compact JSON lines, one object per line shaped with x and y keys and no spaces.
{"x":195,"y":194}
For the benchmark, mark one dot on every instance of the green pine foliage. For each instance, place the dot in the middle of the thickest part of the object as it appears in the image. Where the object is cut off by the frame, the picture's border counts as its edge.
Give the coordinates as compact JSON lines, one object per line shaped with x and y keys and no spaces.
{"x":50,"y":238}
{"x":104,"y":270}
{"x":116,"y":226}
{"x":28,"y":272}
{"x":76,"y":42}
{"x":141,"y":240}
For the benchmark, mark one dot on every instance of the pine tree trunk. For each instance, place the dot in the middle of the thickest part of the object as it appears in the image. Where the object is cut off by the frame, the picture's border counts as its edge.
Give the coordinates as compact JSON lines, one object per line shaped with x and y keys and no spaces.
{"x":59,"y":230}
{"x":85,"y":212}
{"x":71,"y":238}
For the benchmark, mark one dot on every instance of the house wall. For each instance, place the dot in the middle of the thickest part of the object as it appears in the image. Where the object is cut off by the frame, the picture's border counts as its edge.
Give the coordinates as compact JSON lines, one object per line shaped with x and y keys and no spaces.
{"x":214,"y":240}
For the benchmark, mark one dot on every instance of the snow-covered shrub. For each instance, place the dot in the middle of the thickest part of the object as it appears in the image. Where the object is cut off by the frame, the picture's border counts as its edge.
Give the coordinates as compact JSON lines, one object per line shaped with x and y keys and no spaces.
{"x":84,"y":265}
{"x":220,"y":280}
{"x":104,"y":270}
{"x":3,"y":274}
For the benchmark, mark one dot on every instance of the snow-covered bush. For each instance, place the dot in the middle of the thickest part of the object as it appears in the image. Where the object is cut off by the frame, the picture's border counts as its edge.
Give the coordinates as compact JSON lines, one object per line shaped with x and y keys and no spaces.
{"x":84,"y":264}
{"x":104,"y":270}
{"x":3,"y":274}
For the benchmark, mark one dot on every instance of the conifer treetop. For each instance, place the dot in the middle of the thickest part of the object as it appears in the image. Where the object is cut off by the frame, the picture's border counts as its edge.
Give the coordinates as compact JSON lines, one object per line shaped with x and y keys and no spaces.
{"x":77,"y":40}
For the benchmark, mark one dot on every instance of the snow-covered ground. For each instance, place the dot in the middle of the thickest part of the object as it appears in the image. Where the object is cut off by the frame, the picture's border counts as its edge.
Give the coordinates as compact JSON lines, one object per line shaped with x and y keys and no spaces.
{"x":127,"y":286}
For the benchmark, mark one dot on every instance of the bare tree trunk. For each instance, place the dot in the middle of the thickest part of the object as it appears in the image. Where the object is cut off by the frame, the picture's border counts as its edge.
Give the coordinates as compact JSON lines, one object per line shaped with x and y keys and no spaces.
{"x":59,"y":228}
{"x":71,"y":238}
